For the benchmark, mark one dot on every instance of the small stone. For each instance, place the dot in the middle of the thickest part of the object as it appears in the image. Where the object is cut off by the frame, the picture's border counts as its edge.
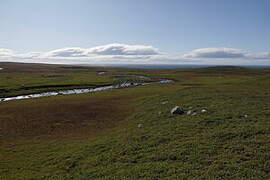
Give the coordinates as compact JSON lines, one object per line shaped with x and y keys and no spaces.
{"x":194,"y":114}
{"x":189,"y":112}
{"x":165,"y":102}
{"x":245,"y":115}
{"x":140,"y":125}
{"x":177,"y":110}
{"x":101,"y":72}
{"x":204,"y":111}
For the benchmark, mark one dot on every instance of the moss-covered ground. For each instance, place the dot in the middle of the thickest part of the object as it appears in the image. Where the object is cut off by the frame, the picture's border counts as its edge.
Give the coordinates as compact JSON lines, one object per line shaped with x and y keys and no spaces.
{"x":96,"y":135}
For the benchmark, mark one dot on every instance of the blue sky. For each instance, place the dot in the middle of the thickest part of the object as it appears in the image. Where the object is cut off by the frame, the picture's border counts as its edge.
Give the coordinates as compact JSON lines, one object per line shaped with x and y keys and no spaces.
{"x":179,"y":29}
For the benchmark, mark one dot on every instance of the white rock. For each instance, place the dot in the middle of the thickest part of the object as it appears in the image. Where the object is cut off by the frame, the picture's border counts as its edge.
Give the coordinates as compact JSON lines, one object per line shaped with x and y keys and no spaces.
{"x":189,"y":112}
{"x":204,"y":111}
{"x":177,"y":110}
{"x":101,"y":73}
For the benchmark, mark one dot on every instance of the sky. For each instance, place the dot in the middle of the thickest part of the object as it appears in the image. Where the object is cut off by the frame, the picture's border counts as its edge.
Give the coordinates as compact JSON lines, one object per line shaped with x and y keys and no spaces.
{"x":141,"y":31}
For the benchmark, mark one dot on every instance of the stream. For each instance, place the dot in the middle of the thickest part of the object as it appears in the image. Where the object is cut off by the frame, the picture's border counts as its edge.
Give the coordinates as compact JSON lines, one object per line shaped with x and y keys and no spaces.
{"x":80,"y":91}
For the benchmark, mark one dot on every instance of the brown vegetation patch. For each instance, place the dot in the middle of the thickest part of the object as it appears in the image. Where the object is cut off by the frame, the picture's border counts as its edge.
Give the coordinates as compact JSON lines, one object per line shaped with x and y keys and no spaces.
{"x":61,"y":116}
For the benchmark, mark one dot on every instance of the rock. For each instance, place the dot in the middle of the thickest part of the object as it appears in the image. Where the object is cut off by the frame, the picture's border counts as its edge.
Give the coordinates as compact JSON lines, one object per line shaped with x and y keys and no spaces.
{"x":203,"y":111}
{"x":189,"y":112}
{"x":194,"y":114}
{"x":245,"y":115}
{"x":165,"y":102}
{"x":177,"y":110}
{"x":101,"y":72}
{"x":140,"y":125}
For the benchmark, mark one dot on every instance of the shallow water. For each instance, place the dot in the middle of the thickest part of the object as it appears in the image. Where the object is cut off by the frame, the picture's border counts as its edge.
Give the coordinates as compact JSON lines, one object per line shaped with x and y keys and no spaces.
{"x":80,"y":91}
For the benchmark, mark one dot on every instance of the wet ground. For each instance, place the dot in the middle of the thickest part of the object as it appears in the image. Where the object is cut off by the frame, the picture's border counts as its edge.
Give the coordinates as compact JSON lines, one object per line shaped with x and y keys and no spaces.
{"x":80,"y":91}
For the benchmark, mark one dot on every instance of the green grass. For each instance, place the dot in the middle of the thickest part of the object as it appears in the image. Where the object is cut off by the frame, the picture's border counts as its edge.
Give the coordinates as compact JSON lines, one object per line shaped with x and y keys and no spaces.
{"x":222,"y":143}
{"x":18,"y":83}
{"x":21,"y":83}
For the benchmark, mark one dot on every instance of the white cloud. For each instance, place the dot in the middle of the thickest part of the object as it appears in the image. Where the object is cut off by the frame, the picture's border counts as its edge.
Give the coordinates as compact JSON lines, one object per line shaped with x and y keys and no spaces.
{"x":215,"y":53}
{"x":225,"y":53}
{"x":6,"y":53}
{"x":66,"y":52}
{"x":30,"y":55}
{"x":106,"y":50}
{"x":262,"y":55}
{"x":142,"y":54}
{"x":123,"y":49}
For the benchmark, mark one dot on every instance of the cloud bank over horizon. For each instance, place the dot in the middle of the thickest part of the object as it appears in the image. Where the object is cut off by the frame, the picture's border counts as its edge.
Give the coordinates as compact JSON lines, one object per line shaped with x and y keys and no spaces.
{"x":225,"y":53}
{"x":137,"y":54}
{"x":110,"y":49}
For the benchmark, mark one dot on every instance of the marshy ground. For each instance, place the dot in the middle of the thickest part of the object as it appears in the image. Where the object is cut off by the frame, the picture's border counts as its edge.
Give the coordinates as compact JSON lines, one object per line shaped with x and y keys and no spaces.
{"x":130,"y":133}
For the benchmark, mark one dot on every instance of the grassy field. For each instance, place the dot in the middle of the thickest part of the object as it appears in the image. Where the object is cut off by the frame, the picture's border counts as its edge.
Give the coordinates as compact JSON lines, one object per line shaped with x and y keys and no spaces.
{"x":96,"y":135}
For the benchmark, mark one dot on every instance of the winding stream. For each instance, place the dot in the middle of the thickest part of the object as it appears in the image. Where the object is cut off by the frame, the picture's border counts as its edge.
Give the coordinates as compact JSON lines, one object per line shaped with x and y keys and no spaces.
{"x":80,"y":91}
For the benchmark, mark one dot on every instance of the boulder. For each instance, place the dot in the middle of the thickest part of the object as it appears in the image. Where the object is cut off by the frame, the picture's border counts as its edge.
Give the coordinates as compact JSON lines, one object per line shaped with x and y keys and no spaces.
{"x":189,"y":112}
{"x":101,"y":72}
{"x":203,"y":111}
{"x":177,"y":110}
